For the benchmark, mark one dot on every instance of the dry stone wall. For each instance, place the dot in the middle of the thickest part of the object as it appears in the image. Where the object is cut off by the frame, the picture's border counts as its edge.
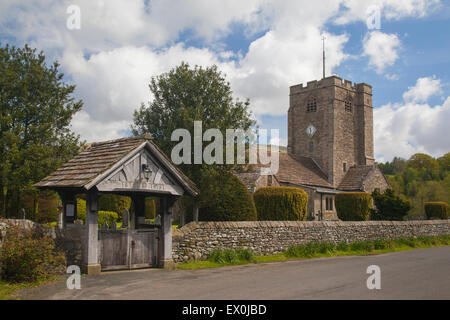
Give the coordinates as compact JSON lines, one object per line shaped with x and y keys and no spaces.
{"x":196,"y":240}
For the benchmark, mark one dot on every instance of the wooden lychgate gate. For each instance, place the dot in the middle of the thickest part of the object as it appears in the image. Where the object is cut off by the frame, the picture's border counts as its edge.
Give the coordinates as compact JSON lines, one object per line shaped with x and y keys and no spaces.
{"x":128,"y":249}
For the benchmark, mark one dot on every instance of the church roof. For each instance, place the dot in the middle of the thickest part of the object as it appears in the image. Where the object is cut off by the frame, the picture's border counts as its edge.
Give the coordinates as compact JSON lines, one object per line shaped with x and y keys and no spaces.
{"x":301,"y":171}
{"x":354,"y":178}
{"x":98,"y":159}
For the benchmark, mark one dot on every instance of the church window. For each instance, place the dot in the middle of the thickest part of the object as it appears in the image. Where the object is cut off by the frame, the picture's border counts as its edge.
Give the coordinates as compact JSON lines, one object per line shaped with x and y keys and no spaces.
{"x":345,"y":167}
{"x":348,"y":105}
{"x":269,"y":180}
{"x":311,"y":147}
{"x":311,"y":106}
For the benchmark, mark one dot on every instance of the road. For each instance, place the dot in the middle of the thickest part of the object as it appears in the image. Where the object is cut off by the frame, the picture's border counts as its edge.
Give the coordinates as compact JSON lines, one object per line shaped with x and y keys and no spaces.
{"x":415,"y":274}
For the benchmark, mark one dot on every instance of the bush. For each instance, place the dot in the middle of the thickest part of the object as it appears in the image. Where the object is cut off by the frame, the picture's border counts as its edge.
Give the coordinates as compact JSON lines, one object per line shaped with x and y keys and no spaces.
{"x":353,"y":206}
{"x":29,"y":255}
{"x":437,"y":209}
{"x":113,"y":202}
{"x":47,"y":215}
{"x":110,"y":216}
{"x":228,"y":200}
{"x":281,"y":203}
{"x":150,"y":208}
{"x":389,"y":206}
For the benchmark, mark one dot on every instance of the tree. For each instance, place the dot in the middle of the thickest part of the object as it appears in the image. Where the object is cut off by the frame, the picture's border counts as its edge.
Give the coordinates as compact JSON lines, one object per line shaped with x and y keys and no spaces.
{"x":36,"y":108}
{"x":228,"y":198}
{"x":389,"y":206}
{"x":427,"y":166}
{"x":184,"y":95}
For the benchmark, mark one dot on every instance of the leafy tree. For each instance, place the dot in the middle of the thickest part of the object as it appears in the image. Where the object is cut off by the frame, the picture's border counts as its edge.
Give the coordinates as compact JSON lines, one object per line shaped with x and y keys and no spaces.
{"x":229,"y":199}
{"x":389,"y":206}
{"x":426,"y":165}
{"x":184,"y":95}
{"x":444,"y":165}
{"x":36,"y":108}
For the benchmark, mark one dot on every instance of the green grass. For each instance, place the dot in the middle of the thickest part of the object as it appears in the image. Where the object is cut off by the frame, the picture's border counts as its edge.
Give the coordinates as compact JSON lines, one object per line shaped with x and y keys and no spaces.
{"x":8,"y":290}
{"x":226,"y":257}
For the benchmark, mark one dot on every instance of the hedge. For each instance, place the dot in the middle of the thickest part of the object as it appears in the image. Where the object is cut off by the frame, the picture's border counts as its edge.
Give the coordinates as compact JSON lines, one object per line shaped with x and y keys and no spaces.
{"x":111,"y":216}
{"x":437,"y":209}
{"x":353,"y":206}
{"x":227,"y":199}
{"x":281,"y":203}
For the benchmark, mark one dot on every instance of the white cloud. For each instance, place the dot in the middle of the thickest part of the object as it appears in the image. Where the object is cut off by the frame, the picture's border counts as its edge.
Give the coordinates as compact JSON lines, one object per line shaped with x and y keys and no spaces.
{"x":424,"y":88}
{"x":390,"y":9}
{"x":122,"y":44}
{"x":381,"y":48}
{"x":405,"y":128}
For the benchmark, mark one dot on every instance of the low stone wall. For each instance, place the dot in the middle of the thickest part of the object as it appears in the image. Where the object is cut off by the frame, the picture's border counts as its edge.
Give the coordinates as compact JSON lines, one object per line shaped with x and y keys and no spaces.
{"x":196,"y":240}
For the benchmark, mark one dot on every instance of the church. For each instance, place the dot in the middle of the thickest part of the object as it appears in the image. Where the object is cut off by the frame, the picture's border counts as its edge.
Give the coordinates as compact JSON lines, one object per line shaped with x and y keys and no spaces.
{"x":330,"y":145}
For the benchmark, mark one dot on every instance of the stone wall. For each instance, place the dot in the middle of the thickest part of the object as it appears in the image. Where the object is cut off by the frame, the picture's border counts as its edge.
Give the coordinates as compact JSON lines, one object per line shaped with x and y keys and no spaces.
{"x":196,"y":240}
{"x":71,"y":240}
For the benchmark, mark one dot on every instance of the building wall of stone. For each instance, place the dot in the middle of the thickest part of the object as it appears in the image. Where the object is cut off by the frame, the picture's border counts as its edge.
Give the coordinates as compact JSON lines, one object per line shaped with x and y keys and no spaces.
{"x":341,"y":136}
{"x":197,"y":240}
{"x":376,"y":180}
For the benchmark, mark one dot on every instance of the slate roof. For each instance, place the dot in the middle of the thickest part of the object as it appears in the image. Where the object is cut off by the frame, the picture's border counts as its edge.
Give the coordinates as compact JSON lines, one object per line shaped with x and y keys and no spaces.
{"x":301,"y":171}
{"x":354,"y":178}
{"x":95,"y":160}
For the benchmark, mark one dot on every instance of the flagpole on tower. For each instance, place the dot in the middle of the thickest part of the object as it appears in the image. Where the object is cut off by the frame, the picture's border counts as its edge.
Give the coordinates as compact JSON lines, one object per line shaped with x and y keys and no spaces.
{"x":323,"y":51}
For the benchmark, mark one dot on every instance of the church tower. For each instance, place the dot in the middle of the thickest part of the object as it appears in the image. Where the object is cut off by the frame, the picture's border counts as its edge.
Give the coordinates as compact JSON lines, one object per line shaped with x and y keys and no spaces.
{"x":331,"y":121}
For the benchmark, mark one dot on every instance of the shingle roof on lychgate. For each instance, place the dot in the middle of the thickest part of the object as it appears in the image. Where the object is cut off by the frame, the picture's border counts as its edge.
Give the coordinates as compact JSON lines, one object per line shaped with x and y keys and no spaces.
{"x":101,"y":157}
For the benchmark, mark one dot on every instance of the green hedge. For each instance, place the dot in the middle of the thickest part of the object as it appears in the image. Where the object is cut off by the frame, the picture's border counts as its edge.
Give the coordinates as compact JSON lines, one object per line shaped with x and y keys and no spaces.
{"x":353,"y":206}
{"x":281,"y":203}
{"x":228,"y":199}
{"x":102,"y":215}
{"x":437,"y":209}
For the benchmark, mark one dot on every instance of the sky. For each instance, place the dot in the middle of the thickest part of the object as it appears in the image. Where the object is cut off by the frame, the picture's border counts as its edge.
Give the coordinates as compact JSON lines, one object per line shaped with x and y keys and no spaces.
{"x":111,"y":49}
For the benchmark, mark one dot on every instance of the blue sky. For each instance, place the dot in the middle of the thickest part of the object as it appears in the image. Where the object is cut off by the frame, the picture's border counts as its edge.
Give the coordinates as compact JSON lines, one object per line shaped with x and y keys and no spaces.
{"x":263,"y":46}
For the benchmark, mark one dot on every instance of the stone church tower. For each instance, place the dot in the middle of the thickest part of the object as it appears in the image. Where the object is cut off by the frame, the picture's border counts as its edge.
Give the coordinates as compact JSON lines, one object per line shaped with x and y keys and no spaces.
{"x":331,"y":122}
{"x":330,"y":145}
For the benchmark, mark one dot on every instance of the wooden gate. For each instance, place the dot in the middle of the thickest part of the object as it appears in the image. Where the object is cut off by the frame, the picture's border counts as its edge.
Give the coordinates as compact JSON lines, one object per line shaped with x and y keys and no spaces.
{"x":128,"y":249}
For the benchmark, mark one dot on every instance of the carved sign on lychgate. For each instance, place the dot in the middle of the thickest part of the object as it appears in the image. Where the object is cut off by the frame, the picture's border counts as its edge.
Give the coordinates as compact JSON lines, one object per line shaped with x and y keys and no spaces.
{"x":131,"y":177}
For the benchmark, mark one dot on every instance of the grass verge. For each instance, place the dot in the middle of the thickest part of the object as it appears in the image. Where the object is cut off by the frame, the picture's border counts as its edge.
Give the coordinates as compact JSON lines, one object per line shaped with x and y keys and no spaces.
{"x":8,"y":290}
{"x":226,"y":257}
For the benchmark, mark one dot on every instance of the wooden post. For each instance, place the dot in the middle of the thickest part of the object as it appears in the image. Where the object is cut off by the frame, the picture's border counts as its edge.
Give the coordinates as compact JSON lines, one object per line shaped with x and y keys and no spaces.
{"x":165,"y":237}
{"x":91,"y":264}
{"x":69,"y":208}
{"x":195,"y":213}
{"x":139,"y":210}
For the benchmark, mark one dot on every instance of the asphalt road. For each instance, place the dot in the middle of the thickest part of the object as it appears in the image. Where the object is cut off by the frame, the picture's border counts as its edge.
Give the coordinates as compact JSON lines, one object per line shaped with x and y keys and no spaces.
{"x":415,"y":274}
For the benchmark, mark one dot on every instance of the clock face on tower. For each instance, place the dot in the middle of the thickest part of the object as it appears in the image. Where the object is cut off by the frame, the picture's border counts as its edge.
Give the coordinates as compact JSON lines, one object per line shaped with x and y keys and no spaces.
{"x":310,"y":130}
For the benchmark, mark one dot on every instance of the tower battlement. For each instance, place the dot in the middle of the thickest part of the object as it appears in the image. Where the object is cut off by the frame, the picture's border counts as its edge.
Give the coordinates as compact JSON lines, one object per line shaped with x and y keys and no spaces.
{"x":331,"y":81}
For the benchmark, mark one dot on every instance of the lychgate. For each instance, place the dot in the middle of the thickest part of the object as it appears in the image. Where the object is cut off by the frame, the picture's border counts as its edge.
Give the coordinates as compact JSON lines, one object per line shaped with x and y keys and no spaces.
{"x":133,"y":167}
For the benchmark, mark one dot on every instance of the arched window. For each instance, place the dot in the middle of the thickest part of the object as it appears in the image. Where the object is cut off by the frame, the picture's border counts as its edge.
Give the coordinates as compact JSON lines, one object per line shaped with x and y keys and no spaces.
{"x":348,"y":105}
{"x":311,"y":105}
{"x":311,"y":147}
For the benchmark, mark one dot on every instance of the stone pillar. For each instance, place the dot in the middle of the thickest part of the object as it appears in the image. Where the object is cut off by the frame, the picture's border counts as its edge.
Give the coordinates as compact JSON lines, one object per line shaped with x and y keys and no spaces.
{"x":165,"y":237}
{"x":91,"y":264}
